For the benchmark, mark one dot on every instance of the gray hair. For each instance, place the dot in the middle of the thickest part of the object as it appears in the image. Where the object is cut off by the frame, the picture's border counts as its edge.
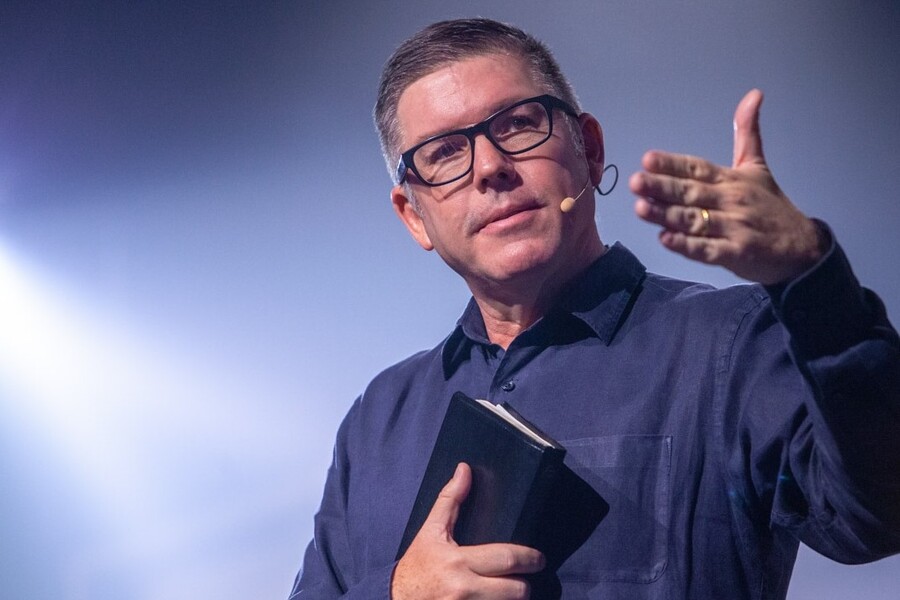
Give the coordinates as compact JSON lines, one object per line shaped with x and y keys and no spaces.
{"x":447,"y":42}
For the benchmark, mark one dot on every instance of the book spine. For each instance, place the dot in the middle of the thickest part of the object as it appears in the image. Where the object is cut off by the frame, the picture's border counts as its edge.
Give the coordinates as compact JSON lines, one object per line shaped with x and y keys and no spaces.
{"x":546,"y":476}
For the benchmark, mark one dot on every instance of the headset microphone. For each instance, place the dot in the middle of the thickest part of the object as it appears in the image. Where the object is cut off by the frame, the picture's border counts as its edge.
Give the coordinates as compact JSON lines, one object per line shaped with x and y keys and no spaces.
{"x":568,"y":203}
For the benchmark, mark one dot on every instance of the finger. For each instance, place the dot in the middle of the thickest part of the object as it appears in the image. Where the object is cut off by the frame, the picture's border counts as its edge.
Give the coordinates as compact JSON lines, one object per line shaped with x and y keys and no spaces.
{"x":497,"y":560}
{"x":680,"y":165}
{"x":747,"y":139}
{"x":713,"y":251}
{"x":443,"y":515}
{"x":509,"y":588}
{"x":674,"y":190}
{"x":694,"y":221}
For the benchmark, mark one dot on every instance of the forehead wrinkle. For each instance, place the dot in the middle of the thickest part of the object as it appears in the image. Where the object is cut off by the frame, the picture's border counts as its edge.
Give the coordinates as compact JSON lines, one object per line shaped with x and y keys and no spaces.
{"x":453,"y":101}
{"x":435,"y":85}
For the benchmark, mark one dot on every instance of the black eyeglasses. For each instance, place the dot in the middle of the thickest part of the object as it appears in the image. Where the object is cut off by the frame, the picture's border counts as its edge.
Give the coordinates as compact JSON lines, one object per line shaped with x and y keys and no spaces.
{"x":449,"y":156}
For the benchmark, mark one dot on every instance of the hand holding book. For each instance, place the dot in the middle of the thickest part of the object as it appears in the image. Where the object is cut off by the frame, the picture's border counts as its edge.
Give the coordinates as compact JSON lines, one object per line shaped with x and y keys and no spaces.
{"x":515,"y":468}
{"x":434,"y":564}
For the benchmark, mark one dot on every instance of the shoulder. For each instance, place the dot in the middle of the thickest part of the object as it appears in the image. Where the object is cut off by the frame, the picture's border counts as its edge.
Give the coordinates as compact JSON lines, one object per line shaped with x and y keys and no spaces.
{"x":397,"y":379}
{"x":686,"y":316}
{"x":394,"y":404}
{"x":675,"y":296}
{"x":390,"y":391}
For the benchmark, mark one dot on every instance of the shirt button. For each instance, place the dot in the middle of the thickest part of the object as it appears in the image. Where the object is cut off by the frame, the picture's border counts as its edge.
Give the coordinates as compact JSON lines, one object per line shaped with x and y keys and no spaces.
{"x":508,"y":386}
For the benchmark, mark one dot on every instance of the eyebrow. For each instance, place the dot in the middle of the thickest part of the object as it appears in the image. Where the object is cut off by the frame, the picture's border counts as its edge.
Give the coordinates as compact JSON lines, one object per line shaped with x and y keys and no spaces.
{"x":494,"y":108}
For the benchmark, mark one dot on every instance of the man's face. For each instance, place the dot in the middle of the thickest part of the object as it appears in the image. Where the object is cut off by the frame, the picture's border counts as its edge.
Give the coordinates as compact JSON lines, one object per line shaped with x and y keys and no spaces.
{"x":502,"y":221}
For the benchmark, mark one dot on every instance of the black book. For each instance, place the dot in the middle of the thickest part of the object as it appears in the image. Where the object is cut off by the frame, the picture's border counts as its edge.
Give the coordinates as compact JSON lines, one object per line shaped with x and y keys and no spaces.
{"x":514,"y":469}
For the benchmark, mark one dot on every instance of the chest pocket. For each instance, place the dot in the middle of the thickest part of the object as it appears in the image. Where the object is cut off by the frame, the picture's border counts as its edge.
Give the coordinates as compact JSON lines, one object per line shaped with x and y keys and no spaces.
{"x":631,"y":474}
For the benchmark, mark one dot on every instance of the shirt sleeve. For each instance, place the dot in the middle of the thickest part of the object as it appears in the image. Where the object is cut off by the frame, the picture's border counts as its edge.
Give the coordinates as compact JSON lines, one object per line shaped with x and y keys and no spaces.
{"x":328,"y":570}
{"x":817,"y":439}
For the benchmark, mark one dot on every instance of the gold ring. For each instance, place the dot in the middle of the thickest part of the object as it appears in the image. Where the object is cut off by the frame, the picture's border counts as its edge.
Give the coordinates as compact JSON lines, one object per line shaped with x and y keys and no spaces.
{"x":704,"y":214}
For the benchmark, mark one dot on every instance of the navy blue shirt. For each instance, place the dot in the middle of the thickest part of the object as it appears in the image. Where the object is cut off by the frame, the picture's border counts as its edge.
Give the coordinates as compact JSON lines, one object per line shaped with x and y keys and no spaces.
{"x":719,"y":427}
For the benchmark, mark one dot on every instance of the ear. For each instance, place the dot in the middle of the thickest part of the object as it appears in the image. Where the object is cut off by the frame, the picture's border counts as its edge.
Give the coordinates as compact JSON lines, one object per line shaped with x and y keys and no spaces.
{"x":594,"y":153}
{"x":403,"y":206}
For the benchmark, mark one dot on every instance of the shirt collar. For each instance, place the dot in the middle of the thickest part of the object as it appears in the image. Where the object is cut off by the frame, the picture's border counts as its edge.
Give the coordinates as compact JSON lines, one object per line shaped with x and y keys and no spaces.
{"x":599,"y":297}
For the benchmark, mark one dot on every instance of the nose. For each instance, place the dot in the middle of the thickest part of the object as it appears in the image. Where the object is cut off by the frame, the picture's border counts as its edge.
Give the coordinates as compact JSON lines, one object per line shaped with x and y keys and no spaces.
{"x":491,"y":167}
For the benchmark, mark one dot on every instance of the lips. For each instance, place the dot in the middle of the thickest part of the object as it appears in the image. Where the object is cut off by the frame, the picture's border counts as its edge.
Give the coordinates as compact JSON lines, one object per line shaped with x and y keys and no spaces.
{"x":498,"y":217}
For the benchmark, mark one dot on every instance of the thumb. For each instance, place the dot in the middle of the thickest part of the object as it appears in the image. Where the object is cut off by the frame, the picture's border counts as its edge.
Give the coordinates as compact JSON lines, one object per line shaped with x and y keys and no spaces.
{"x":445,"y":511}
{"x":747,"y":140}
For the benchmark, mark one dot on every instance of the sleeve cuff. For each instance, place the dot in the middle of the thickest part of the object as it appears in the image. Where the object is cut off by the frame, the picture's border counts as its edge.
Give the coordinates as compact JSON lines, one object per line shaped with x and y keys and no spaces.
{"x":825,"y":308}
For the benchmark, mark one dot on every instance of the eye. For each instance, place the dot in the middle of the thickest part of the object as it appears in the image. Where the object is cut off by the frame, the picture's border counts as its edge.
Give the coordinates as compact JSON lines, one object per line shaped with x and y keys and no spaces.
{"x":527,"y":118}
{"x":523,"y":122}
{"x":444,"y":149}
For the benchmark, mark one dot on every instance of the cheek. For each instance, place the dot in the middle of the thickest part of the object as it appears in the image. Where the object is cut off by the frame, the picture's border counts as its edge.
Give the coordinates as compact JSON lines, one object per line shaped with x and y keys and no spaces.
{"x":445,"y":236}
{"x":449,"y":240}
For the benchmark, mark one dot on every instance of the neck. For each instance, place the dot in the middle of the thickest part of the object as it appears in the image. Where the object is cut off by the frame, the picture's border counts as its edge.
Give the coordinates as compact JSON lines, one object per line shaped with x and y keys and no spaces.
{"x":508,"y":308}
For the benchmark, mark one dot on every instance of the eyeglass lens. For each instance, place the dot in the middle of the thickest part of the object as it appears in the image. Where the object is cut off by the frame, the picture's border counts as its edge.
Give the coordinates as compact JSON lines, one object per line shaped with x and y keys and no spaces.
{"x":515,"y":130}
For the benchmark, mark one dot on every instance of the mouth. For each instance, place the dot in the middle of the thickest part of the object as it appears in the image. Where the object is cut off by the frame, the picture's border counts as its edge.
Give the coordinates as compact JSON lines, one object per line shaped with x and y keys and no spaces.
{"x":508,"y":217}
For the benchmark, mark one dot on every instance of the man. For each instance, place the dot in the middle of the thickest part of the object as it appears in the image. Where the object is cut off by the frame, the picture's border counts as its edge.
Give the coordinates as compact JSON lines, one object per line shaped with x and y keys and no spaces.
{"x":718,"y":427}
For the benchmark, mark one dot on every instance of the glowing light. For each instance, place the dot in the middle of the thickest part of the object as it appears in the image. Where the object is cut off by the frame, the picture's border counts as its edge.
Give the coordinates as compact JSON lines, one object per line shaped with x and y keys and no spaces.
{"x":142,"y":431}
{"x":66,"y":375}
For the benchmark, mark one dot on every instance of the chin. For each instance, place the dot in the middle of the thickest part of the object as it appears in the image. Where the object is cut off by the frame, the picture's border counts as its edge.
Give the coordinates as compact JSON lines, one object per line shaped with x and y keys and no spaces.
{"x":522,"y":263}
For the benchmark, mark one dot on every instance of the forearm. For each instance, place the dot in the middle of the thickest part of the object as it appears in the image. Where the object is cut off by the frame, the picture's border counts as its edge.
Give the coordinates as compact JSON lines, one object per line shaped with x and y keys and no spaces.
{"x":849,"y":353}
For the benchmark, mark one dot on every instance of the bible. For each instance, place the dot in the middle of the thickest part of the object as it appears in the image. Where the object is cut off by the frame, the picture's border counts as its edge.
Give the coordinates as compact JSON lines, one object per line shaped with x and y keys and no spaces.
{"x":514,"y":469}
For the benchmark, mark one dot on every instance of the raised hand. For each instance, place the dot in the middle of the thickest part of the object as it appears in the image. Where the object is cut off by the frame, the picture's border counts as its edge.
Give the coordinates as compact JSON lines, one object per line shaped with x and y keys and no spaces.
{"x":735,"y":217}
{"x":435,"y":566}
